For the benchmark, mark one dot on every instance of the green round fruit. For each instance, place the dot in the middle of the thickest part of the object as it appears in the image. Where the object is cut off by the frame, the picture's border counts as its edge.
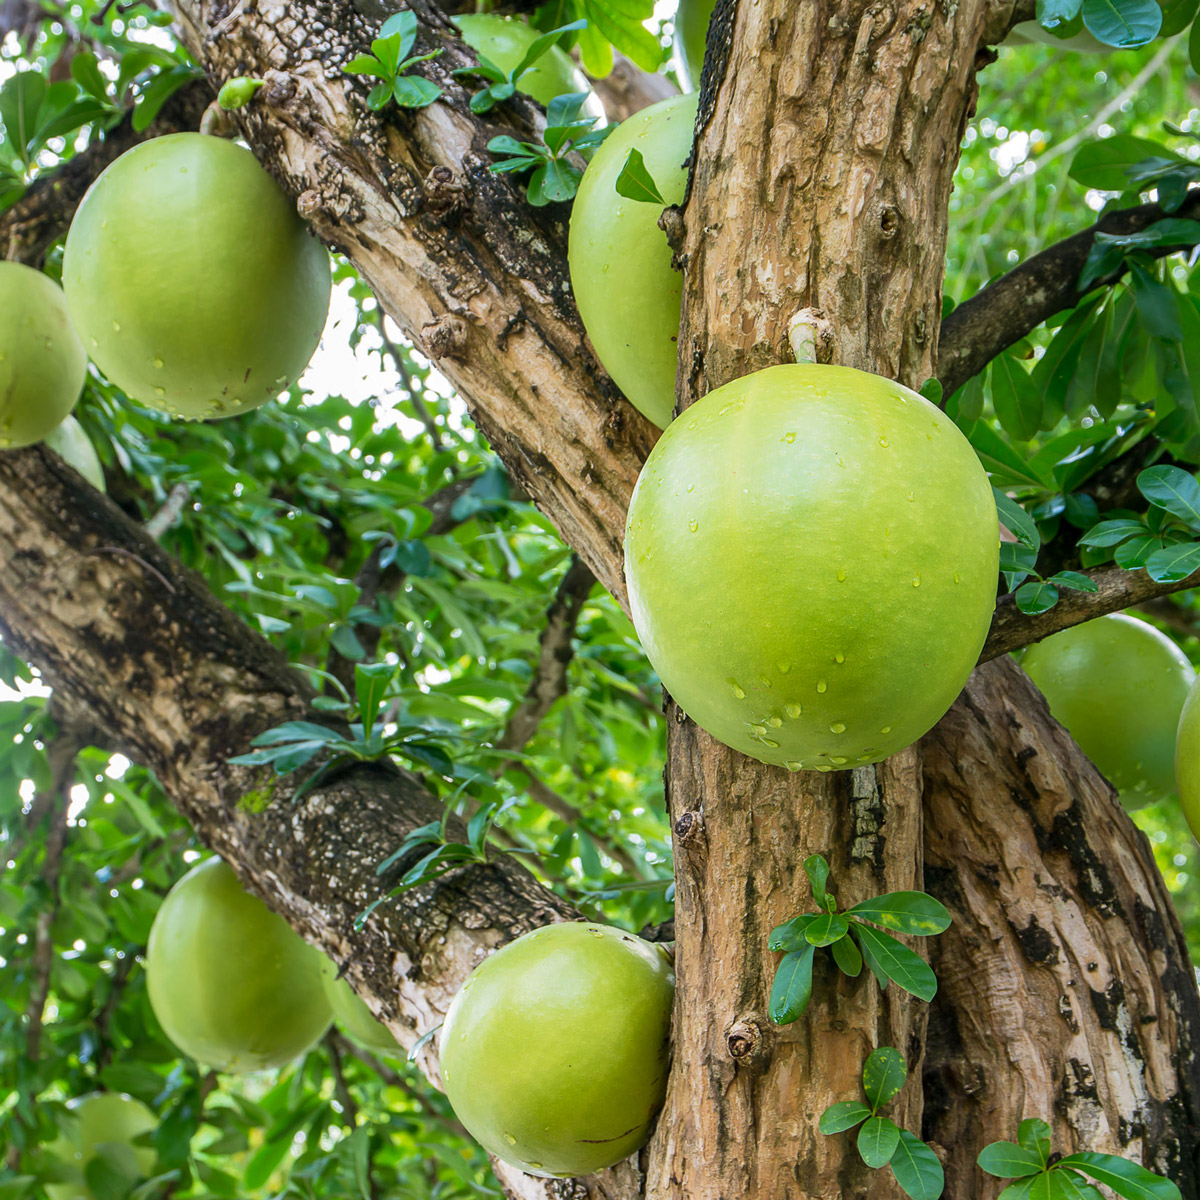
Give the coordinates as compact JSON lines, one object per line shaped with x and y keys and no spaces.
{"x":812,"y":557}
{"x":504,"y":41}
{"x":691,"y":33}
{"x":102,"y":1122}
{"x":356,"y":1020}
{"x":1187,"y":759}
{"x":42,"y":362}
{"x":1118,"y":686}
{"x":193,"y":283}
{"x":71,"y":444}
{"x":229,"y":981}
{"x":554,"y":1052}
{"x":628,"y":294}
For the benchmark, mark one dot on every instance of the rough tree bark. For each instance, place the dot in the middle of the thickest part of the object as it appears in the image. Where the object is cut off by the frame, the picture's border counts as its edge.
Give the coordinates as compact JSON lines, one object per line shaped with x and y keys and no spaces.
{"x":1045,"y":875}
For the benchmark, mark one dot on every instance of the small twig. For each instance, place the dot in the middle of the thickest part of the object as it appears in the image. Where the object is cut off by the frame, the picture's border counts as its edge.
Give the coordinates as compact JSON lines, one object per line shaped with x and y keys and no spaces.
{"x":1118,"y":589}
{"x":411,"y":386}
{"x":120,"y":977}
{"x":137,"y":558}
{"x":171,"y":511}
{"x":340,"y":1087}
{"x":556,"y":650}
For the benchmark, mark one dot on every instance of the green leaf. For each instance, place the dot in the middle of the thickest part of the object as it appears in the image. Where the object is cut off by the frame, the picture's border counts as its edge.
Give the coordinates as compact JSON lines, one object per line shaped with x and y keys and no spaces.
{"x":21,"y":99}
{"x":905,"y":969}
{"x":554,"y":182}
{"x":884,"y":1074}
{"x":429,"y":755}
{"x":1104,"y":163}
{"x":848,"y":957}
{"x":792,"y":989}
{"x":620,"y":22}
{"x":262,"y":1166}
{"x":1016,"y":399}
{"x":790,"y":935}
{"x":1033,"y":1135}
{"x":414,"y":91}
{"x":1075,"y":580}
{"x":877,"y":1141}
{"x":1135,"y":553}
{"x":345,"y":641}
{"x":379,"y":95}
{"x":1157,"y":303}
{"x":85,"y":70}
{"x":1174,"y":563}
{"x":837,"y":1118}
{"x":636,"y":182}
{"x":1175,"y":490}
{"x":1067,"y":1185}
{"x":1122,"y":1176}
{"x":1006,"y":1160}
{"x":403,"y":23}
{"x":827,"y":929}
{"x":1053,"y":13}
{"x":1123,"y":23}
{"x":365,"y":64}
{"x":905,"y":912}
{"x":1016,"y":520}
{"x":917,"y":1169}
{"x":1020,"y":1190}
{"x":296,"y":731}
{"x":817,"y":870}
{"x":1194,"y":47}
{"x":541,"y":45}
{"x":157,"y":92}
{"x":1112,"y":533}
{"x":370,"y":687}
{"x":1035,"y":597}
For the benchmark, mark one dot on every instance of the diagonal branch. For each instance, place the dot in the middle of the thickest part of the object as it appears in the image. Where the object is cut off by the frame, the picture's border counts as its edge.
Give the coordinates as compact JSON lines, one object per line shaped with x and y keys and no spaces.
{"x":1006,"y":311}
{"x":1118,"y":589}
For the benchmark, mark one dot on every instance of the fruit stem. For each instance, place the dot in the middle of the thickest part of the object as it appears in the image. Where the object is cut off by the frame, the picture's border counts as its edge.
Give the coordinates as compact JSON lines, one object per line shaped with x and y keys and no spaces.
{"x":807,"y":331}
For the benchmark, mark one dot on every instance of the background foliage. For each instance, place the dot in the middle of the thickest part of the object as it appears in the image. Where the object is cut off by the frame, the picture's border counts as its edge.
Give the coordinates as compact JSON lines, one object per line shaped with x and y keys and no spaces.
{"x":373,"y":458}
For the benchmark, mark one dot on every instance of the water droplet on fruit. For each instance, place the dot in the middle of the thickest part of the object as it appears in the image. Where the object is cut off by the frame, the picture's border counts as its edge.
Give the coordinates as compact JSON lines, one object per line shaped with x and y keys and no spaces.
{"x":886,"y":729}
{"x":957,"y":577}
{"x":883,"y":442}
{"x":691,"y":487}
{"x":789,"y":438}
{"x":841,"y":575}
{"x":116,"y":327}
{"x":768,"y":742}
{"x":693,"y":525}
{"x":784,"y":668}
{"x":911,"y":497}
{"x":758,"y":731}
{"x":792,"y":765}
{"x":838,"y":760}
{"x":863,"y":758}
{"x":158,"y":362}
{"x":823,"y":768}
{"x":93,"y":341}
{"x":822,"y":686}
{"x":512,"y":1141}
{"x":775,"y":722}
{"x":837,"y":727}
{"x":159,"y":391}
{"x":839,"y":657}
{"x":840,"y":463}
{"x":916,"y":581}
{"x":737,"y":691}
{"x":535,"y":1166}
{"x":793,"y":711}
{"x":764,"y":681}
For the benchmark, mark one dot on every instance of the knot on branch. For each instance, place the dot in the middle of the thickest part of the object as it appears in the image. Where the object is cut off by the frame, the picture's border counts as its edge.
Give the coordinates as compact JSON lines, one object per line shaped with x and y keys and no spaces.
{"x":279,"y":89}
{"x":445,"y":192}
{"x":743,"y":1038}
{"x":688,"y":829}
{"x":445,"y":337}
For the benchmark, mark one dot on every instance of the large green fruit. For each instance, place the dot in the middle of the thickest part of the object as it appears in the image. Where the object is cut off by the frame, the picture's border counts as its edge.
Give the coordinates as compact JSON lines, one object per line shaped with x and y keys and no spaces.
{"x":103,"y":1123}
{"x":194,"y":285}
{"x":231,"y":984}
{"x":812,"y":558}
{"x":554,"y":1052}
{"x":691,"y":32}
{"x":1118,"y":686}
{"x":71,"y":444}
{"x":42,"y":363}
{"x":628,"y":294}
{"x":356,"y":1020}
{"x":1187,"y":759}
{"x":505,"y":42}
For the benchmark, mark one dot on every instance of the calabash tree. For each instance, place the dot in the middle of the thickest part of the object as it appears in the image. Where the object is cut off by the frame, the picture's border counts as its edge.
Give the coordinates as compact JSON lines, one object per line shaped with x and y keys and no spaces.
{"x":821,"y":178}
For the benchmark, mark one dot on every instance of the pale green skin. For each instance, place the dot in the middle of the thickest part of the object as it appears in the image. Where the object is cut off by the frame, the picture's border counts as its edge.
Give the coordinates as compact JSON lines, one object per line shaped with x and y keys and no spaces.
{"x":629,"y":296}
{"x":42,"y":361}
{"x":193,"y":283}
{"x":555,"y":1051}
{"x":505,"y":40}
{"x":229,"y":981}
{"x":691,"y":32}
{"x":812,"y":558}
{"x":1187,"y":759}
{"x":356,"y":1020}
{"x":1118,"y":686}
{"x":71,"y":444}
{"x":103,"y":1120}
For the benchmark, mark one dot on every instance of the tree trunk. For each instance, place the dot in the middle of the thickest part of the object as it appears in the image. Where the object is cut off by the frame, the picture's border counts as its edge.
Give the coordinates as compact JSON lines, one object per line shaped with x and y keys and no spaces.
{"x":1065,"y":989}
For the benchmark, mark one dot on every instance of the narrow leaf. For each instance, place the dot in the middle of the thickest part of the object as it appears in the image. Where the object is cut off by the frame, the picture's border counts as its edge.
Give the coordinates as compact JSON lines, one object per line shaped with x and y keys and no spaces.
{"x":792,"y":989}
{"x":905,"y":912}
{"x":848,"y":957}
{"x":817,"y":870}
{"x":906,"y":969}
{"x":1123,"y":1177}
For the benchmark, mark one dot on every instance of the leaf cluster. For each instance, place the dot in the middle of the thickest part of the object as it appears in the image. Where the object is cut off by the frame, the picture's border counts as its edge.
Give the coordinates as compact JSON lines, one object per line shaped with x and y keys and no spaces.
{"x":388,"y":61}
{"x":881,"y":1142}
{"x":554,"y":177}
{"x":853,"y":937}
{"x":1027,"y":1160}
{"x":502,"y":84}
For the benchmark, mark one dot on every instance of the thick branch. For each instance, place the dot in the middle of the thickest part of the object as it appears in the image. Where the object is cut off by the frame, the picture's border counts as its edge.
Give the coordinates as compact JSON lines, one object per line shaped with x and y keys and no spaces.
{"x":1006,"y":311}
{"x":1118,"y":589}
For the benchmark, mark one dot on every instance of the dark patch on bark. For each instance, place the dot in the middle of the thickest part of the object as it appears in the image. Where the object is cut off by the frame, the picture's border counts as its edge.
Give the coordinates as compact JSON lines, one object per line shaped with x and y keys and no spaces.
{"x":1036,"y":943}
